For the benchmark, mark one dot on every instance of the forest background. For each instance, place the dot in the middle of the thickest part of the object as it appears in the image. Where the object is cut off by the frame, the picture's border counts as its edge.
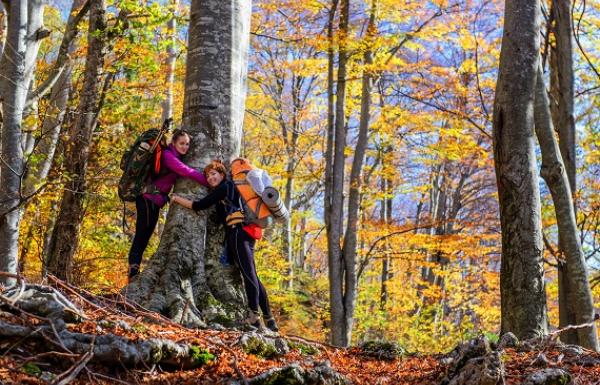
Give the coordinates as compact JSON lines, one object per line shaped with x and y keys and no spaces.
{"x":429,"y":244}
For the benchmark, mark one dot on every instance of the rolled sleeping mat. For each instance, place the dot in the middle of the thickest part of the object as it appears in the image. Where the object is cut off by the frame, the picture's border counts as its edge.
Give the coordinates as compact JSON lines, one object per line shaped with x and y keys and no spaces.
{"x":273,"y":201}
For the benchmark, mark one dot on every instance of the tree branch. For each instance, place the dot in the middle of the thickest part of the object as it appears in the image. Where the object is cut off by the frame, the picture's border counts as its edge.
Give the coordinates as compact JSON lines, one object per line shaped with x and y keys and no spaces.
{"x":63,"y":55}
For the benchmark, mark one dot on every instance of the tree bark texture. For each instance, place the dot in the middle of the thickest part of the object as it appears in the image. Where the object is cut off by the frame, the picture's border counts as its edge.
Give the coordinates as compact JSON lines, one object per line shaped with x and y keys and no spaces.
{"x":339,"y":333}
{"x":579,"y":301}
{"x":522,"y":289}
{"x":350,"y":237}
{"x":330,"y":114}
{"x":184,"y":279}
{"x":564,"y":94}
{"x":16,"y":68}
{"x":65,"y":236}
{"x":562,"y":79}
{"x":330,"y":136}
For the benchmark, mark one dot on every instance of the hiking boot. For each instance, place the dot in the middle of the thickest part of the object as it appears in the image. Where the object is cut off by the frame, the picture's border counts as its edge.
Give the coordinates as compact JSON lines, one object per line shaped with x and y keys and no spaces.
{"x":271,"y":324}
{"x":253,"y":319}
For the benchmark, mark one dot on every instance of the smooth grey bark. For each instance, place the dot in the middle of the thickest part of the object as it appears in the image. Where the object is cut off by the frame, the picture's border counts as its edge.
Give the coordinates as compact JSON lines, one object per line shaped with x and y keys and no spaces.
{"x":340,"y":336}
{"x":350,"y":236}
{"x":522,"y":288}
{"x":330,"y":136}
{"x":184,"y":279}
{"x":562,"y":86}
{"x":45,"y":149}
{"x":579,"y":301}
{"x":29,"y":130}
{"x":167,"y":104}
{"x":16,"y":68}
{"x":65,"y":235}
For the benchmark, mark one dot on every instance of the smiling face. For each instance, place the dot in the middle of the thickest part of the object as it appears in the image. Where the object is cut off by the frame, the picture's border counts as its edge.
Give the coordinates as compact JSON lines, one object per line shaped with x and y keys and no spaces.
{"x":214,"y":177}
{"x":182,"y":144}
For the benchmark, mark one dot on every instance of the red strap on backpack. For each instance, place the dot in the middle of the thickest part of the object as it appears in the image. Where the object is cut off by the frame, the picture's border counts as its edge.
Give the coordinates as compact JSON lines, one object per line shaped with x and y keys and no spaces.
{"x":157,"y":156}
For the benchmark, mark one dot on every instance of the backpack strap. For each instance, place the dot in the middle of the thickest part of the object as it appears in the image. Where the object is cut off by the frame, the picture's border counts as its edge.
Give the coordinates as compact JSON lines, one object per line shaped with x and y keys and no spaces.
{"x":234,"y":215}
{"x":157,"y":158}
{"x":229,"y":195}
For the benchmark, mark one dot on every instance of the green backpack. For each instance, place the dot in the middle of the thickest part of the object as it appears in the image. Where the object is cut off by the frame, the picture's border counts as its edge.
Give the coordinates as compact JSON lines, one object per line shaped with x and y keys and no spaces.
{"x":139,"y":161}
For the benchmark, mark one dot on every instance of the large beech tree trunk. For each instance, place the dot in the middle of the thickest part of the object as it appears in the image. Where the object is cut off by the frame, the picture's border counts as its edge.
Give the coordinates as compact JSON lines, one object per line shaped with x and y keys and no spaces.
{"x":579,"y":301}
{"x":65,"y":236}
{"x":522,"y":288}
{"x":184,"y":279}
{"x":23,"y":34}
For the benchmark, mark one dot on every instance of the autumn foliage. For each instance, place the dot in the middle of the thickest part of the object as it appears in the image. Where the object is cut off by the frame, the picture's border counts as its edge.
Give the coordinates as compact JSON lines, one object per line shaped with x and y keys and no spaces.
{"x":428,"y":264}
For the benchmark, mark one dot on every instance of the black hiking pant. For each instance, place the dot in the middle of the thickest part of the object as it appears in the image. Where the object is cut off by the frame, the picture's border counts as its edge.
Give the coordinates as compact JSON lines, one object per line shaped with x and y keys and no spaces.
{"x":240,"y":246}
{"x":145,"y":222}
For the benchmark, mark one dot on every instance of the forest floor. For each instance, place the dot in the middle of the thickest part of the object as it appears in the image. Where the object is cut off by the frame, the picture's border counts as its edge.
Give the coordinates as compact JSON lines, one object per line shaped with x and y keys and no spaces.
{"x":27,"y":360}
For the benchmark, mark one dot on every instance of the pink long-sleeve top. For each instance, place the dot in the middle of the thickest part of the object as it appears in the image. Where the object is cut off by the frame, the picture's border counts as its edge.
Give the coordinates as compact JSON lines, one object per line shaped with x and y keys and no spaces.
{"x":176,"y":168}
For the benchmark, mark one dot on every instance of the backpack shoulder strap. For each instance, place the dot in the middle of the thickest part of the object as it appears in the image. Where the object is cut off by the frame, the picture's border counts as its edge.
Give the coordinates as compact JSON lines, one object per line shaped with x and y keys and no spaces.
{"x":229,"y":195}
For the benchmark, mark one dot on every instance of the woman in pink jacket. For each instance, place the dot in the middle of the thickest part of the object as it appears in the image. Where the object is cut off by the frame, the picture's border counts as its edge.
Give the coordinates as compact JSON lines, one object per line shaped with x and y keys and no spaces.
{"x":156,"y":196}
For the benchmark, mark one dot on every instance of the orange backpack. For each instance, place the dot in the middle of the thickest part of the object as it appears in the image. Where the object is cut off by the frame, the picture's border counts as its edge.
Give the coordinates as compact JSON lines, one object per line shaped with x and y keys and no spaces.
{"x":255,"y":209}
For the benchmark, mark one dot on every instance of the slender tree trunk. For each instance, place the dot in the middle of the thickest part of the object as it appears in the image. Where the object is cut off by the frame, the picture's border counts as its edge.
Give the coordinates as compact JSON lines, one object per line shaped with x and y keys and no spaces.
{"x":579,"y":302}
{"x":16,"y":68}
{"x":563,"y":116}
{"x":339,"y":333}
{"x":564,"y":87}
{"x":350,"y":237}
{"x":301,"y":256}
{"x":384,"y":215}
{"x":65,"y":236}
{"x":329,"y":145}
{"x":184,"y":279}
{"x":522,"y":288}
{"x":47,"y":232}
{"x":167,"y":104}
{"x":291,"y":148}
